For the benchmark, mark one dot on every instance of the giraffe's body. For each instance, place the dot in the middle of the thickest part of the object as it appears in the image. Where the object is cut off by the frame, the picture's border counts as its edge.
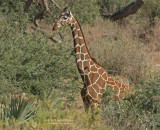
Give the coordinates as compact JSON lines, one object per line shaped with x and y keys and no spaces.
{"x":95,"y":78}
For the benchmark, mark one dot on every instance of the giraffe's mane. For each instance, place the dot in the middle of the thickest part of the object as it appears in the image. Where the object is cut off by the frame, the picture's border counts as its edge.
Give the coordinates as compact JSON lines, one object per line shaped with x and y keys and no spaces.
{"x":93,"y":59}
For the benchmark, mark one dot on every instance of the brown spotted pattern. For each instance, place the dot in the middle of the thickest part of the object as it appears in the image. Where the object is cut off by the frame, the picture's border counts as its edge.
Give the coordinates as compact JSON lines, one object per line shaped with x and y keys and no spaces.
{"x":95,"y":78}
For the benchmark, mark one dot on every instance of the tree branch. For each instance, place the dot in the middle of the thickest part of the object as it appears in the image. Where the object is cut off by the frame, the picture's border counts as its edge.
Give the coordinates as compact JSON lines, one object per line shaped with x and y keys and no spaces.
{"x":27,"y":5}
{"x":56,"y":5}
{"x":125,"y":11}
{"x":43,"y":13}
{"x":49,"y":36}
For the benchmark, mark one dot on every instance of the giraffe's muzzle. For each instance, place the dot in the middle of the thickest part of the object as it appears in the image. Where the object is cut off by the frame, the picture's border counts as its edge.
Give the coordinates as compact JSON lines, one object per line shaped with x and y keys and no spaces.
{"x":55,"y":27}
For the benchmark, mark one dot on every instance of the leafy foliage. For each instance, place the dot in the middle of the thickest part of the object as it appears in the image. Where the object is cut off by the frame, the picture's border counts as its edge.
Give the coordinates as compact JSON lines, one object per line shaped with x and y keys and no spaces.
{"x":8,"y":6}
{"x":30,"y":63}
{"x":138,"y":111}
{"x":85,"y":11}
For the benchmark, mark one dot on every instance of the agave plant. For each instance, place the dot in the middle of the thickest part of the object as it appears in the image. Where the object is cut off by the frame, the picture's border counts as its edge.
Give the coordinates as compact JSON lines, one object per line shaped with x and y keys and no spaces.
{"x":18,"y":107}
{"x":51,"y":100}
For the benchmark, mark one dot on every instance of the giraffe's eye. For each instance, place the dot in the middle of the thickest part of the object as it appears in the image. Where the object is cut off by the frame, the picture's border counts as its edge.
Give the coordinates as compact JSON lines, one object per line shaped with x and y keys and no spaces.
{"x":65,"y":17}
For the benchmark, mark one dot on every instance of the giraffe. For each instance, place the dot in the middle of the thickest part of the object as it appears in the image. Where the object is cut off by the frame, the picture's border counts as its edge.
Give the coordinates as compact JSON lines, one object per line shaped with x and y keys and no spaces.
{"x":95,"y":78}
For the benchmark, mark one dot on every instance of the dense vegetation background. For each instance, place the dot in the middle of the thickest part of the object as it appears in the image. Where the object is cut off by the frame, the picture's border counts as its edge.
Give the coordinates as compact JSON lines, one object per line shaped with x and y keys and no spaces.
{"x":39,"y":82}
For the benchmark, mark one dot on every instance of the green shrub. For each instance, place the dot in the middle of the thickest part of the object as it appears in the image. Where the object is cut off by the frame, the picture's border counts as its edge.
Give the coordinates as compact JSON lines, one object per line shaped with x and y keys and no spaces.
{"x":30,"y":63}
{"x":138,"y":111}
{"x":8,"y":6}
{"x":85,"y":11}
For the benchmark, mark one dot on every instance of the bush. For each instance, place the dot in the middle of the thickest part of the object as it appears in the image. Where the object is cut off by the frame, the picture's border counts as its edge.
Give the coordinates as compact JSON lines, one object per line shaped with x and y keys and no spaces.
{"x":85,"y":11}
{"x":30,"y":63}
{"x":138,"y":111}
{"x":11,"y":6}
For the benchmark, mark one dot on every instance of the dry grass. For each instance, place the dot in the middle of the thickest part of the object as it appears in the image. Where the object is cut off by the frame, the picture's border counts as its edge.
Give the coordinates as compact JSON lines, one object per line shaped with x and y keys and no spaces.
{"x":117,"y":48}
{"x":153,"y":37}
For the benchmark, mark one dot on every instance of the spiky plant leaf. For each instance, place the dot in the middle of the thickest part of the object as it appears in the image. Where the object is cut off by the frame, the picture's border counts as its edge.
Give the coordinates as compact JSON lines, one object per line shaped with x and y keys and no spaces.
{"x":19,"y":107}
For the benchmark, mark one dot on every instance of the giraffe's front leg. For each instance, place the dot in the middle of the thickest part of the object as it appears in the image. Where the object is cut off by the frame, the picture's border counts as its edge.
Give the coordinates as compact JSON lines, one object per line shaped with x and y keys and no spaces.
{"x":94,"y":105}
{"x":85,"y":101}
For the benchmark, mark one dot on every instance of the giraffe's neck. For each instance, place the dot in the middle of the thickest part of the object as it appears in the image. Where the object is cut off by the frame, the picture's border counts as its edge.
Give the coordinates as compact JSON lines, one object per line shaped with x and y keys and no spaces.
{"x":81,"y":50}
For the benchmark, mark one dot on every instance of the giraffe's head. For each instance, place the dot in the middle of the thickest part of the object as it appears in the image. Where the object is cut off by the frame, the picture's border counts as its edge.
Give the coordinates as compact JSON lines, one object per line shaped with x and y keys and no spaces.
{"x":64,"y":19}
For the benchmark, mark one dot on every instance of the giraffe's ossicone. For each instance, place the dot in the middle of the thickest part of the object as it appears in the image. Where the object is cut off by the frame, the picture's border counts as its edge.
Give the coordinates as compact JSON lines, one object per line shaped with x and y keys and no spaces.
{"x":94,"y":77}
